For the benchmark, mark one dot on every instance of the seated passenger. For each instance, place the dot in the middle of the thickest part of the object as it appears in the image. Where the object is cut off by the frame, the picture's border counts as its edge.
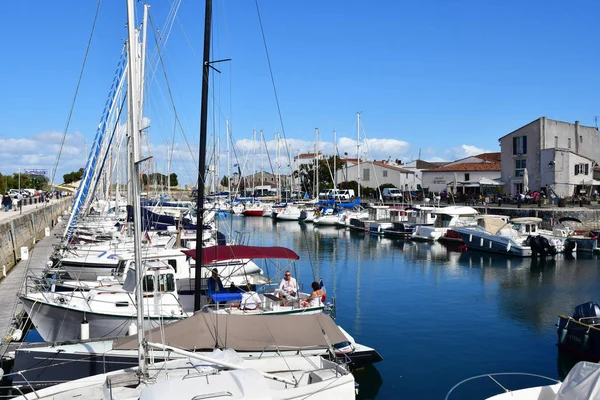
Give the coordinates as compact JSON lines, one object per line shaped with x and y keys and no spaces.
{"x":314,"y":300}
{"x":288,"y":287}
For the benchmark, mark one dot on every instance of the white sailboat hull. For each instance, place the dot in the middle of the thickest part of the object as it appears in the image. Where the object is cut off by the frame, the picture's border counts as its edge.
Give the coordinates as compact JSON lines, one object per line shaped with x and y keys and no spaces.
{"x":57,"y":323}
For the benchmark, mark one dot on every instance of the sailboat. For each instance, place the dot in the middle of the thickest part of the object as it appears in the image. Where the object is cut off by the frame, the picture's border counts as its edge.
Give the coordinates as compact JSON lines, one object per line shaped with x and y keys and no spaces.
{"x":224,"y":373}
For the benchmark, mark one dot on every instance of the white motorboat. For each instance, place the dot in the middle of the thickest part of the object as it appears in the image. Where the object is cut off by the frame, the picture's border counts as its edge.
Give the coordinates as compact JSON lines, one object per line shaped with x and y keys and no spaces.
{"x":446,"y":218}
{"x":582,"y":382}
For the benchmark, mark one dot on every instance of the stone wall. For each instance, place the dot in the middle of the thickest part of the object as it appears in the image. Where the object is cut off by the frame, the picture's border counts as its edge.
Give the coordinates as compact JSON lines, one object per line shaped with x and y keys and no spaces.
{"x":589,"y":217}
{"x":26,"y":229}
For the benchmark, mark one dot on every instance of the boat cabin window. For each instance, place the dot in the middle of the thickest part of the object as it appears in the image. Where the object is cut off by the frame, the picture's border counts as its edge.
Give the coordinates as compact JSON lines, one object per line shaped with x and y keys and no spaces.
{"x":121,"y":267}
{"x":173,"y":263}
{"x":166,"y":283}
{"x":443,"y":221}
{"x":148,"y":283}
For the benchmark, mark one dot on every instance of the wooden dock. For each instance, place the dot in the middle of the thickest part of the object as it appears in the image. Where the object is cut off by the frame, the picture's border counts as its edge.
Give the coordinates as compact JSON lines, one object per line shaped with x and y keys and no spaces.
{"x":11,"y":284}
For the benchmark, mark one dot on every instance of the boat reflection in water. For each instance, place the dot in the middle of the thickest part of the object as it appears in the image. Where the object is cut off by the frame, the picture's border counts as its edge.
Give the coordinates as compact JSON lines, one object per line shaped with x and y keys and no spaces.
{"x":369,"y":381}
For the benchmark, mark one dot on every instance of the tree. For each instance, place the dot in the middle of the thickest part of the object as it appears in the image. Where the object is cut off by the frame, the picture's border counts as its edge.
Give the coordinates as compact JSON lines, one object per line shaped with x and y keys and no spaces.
{"x":173,"y":180}
{"x":225,"y":181}
{"x":38,"y":182}
{"x":72,"y":176}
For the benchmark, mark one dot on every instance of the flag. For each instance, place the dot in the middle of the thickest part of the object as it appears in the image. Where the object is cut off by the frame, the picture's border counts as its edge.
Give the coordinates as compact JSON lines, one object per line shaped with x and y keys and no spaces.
{"x":123,"y":229}
{"x":322,"y":288}
{"x":147,"y":237}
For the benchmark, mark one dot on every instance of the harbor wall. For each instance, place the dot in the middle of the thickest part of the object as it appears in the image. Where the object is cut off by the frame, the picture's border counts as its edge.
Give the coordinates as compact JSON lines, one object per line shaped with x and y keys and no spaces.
{"x":550,"y":216}
{"x":25,"y":230}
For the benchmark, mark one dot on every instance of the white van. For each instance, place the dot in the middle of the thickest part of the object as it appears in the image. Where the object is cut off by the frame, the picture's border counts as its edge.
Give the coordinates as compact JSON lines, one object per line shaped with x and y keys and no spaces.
{"x":344,"y":194}
{"x":392,"y":193}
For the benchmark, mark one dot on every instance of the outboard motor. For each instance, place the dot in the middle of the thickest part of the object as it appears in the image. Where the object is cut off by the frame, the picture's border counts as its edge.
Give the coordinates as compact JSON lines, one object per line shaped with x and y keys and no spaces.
{"x":540,"y":246}
{"x":589,"y":312}
{"x":570,"y":245}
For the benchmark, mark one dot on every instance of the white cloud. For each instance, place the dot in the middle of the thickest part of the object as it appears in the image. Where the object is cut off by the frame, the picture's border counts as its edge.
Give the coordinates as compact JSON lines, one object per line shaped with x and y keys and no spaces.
{"x":40,"y":151}
{"x":465,"y":150}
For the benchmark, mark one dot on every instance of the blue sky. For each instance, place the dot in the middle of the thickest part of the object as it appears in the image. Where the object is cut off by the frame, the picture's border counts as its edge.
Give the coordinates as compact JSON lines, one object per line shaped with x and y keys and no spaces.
{"x":445,"y":78}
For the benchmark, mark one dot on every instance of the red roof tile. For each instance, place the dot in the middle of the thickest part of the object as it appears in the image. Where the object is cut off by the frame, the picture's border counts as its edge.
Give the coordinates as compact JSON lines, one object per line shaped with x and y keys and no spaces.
{"x":484,"y":166}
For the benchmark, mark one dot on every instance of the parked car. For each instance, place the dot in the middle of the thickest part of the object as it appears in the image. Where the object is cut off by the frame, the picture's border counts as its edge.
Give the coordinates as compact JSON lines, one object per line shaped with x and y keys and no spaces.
{"x":391,"y":193}
{"x":327,"y":194}
{"x":344,"y":194}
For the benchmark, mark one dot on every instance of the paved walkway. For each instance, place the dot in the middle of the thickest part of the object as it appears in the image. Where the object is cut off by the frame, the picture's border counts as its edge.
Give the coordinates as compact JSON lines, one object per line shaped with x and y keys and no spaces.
{"x":11,"y":284}
{"x":8,"y":215}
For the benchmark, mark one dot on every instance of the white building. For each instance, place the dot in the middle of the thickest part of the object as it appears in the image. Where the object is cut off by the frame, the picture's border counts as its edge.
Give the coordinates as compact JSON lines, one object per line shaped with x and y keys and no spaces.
{"x":558,"y":155}
{"x":466,"y":171}
{"x":373,"y":174}
{"x":418,"y":166}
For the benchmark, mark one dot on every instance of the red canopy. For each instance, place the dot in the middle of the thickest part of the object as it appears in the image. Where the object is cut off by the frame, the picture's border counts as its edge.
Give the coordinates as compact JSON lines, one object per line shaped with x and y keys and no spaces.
{"x":223,"y":253}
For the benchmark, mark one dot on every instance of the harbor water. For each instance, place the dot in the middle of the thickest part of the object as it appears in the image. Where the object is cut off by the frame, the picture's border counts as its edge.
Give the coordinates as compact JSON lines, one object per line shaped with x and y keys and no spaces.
{"x":437,"y":314}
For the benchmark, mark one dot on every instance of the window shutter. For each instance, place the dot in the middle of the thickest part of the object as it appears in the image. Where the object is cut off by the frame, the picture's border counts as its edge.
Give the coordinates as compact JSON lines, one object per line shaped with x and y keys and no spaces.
{"x":587,"y":169}
{"x":576,"y":169}
{"x":514,"y":145}
{"x":524,"y":144}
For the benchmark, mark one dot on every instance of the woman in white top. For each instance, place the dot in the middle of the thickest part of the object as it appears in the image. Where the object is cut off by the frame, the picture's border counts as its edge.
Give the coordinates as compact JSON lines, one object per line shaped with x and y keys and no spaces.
{"x":314,"y":300}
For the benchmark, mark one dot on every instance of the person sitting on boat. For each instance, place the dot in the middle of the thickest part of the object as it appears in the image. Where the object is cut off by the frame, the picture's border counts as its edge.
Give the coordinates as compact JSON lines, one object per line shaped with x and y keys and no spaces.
{"x":288,"y":288}
{"x":314,"y":300}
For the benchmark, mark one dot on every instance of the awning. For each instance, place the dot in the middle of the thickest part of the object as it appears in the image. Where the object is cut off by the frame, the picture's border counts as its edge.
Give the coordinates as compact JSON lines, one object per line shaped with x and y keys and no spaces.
{"x":224,"y":253}
{"x":591,"y":182}
{"x":481,"y":182}
{"x":243,"y":332}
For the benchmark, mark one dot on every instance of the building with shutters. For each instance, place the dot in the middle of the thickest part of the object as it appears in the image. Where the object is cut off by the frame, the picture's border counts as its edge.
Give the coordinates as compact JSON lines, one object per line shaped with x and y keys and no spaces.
{"x":558,"y":156}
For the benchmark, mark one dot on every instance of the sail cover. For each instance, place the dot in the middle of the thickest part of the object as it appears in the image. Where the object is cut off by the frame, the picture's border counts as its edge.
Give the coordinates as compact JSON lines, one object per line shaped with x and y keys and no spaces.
{"x":205,"y":330}
{"x":223,"y":253}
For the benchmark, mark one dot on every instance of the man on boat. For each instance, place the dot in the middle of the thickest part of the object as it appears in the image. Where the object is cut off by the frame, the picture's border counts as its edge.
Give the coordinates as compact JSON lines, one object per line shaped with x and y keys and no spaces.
{"x":288,"y":288}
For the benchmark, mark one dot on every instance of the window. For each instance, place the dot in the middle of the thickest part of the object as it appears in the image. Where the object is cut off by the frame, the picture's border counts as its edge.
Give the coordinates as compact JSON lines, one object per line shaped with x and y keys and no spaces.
{"x":580,"y":139}
{"x":173,"y":263}
{"x":555,"y":141}
{"x":467,"y":177}
{"x":366,"y":175}
{"x":148,"y":283}
{"x":520,"y":166}
{"x":166,"y":283}
{"x":385,"y":174}
{"x":583,"y":169}
{"x":569,"y":143}
{"x":519,"y":145}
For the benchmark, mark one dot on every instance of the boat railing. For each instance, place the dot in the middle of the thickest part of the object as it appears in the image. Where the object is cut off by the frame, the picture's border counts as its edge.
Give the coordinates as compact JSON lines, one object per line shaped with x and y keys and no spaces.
{"x":493,"y":378}
{"x":7,"y":392}
{"x":586,"y":319}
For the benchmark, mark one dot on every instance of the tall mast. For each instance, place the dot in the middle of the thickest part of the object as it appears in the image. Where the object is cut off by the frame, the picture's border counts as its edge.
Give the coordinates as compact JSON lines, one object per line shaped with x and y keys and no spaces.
{"x":317,"y":162}
{"x":134,"y":178}
{"x":254,"y":162}
{"x":202,"y":153}
{"x":358,"y":150}
{"x":334,"y":164}
{"x":262,"y":164}
{"x":228,"y":160}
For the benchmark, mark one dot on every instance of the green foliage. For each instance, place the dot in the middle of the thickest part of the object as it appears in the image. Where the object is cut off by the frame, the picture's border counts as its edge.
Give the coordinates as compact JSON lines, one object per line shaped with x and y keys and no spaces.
{"x":307,"y":173}
{"x":70,"y":177}
{"x":225,"y":181}
{"x":173,"y":180}
{"x":38,"y":182}
{"x":157,"y":179}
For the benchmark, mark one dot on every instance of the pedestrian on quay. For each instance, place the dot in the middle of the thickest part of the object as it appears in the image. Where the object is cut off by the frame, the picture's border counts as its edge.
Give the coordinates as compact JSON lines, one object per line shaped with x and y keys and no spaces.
{"x":20,"y":200}
{"x":15,"y":203}
{"x":6,"y":202}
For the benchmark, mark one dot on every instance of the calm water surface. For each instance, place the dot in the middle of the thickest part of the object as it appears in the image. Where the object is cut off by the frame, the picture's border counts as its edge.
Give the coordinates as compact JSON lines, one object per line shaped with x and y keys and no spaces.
{"x":436,"y":315}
